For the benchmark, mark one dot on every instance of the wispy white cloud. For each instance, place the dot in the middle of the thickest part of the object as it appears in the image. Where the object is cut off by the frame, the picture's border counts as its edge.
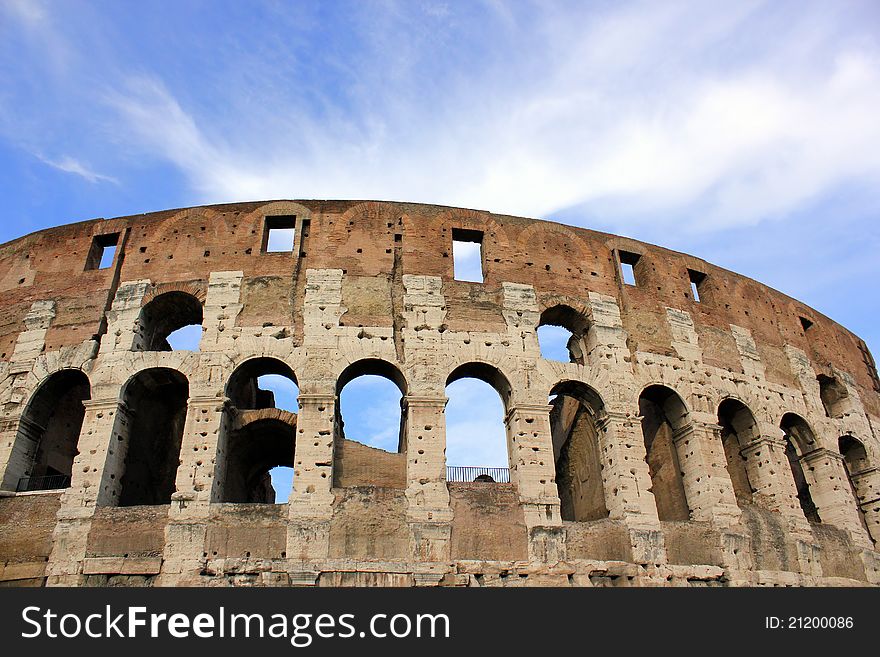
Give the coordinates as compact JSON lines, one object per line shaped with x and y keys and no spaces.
{"x":71,"y":165}
{"x":647,"y":112}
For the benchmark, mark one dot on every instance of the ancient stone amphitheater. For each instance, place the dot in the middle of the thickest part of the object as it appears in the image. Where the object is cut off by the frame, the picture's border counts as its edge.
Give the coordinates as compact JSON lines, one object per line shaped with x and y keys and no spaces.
{"x":707,"y":430}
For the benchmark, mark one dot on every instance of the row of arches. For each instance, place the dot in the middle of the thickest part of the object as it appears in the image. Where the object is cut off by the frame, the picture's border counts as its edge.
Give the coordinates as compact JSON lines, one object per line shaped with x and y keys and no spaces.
{"x":258,"y":436}
{"x":575,"y":419}
{"x":173,"y":321}
{"x":258,"y":455}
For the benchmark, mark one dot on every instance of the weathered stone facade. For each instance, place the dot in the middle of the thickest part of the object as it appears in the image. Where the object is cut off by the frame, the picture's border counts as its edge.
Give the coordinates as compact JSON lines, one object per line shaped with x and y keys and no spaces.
{"x":732,"y":440}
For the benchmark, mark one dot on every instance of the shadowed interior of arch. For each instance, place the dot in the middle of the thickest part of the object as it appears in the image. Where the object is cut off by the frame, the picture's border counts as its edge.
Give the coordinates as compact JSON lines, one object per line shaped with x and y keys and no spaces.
{"x":260,"y":384}
{"x":663,"y":413}
{"x":576,"y":409}
{"x":738,"y":429}
{"x":799,"y":440}
{"x":170,"y":322}
{"x":157,"y":402}
{"x":46,"y":442}
{"x":857,"y":463}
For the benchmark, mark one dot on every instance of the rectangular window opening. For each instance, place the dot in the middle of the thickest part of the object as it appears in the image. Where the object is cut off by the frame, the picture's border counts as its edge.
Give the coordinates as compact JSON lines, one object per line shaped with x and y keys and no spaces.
{"x":628,"y":262}
{"x":697,"y":279}
{"x":102,"y":253}
{"x":467,"y":255}
{"x":278,"y":235}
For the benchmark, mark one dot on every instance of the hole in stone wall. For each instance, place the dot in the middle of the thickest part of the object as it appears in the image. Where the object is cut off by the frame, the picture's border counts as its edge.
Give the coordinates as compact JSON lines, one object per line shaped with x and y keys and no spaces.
{"x":467,"y":255}
{"x":697,"y":279}
{"x":628,"y":262}
{"x":278,"y":234}
{"x":102,"y":253}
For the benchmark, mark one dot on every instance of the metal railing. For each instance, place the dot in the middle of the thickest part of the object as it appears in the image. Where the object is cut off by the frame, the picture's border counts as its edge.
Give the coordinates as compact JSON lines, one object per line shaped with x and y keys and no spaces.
{"x":48,"y":482}
{"x":474,"y":473}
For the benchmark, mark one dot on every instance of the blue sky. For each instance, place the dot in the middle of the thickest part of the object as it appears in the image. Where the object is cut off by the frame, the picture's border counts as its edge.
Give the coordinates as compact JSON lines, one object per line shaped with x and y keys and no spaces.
{"x":745,"y":133}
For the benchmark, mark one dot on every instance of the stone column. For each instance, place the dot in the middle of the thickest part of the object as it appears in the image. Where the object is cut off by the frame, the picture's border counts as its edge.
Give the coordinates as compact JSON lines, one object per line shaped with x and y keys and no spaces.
{"x":123,"y":329}
{"x":532,"y":470}
{"x":103,"y":443}
{"x":707,"y":484}
{"x":222,"y":307}
{"x":627,"y":483}
{"x":199,"y":475}
{"x":770,"y":476}
{"x":826,"y":475}
{"x":199,"y":482}
{"x":774,"y":489}
{"x":94,"y":481}
{"x":428,"y":510}
{"x":867,"y":485}
{"x":311,"y":501}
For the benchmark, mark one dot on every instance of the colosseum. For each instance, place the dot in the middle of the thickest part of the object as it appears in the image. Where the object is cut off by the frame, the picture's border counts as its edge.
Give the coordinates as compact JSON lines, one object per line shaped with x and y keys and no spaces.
{"x":706,"y":431}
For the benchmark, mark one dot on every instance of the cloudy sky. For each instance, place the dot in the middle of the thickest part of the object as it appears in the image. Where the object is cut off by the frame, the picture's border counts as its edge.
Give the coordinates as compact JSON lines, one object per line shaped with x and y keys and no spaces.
{"x":746,"y":133}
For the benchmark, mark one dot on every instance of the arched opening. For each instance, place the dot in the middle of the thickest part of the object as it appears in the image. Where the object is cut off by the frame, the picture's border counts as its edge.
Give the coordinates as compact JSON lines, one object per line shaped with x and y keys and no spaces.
{"x":855,"y":458}
{"x":261,"y":384}
{"x":833,"y":394}
{"x":663,"y":415}
{"x":253,"y":452}
{"x":738,"y":429}
{"x":370,"y":426}
{"x":561,"y":333}
{"x":48,"y":433}
{"x":171,"y":321}
{"x":577,"y":408}
{"x":156,"y":400}
{"x":476,"y":435}
{"x":799,"y":440}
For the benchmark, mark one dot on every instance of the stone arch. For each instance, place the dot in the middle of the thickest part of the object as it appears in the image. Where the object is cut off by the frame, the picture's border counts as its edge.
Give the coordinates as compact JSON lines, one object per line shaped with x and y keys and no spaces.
{"x":359,"y":458}
{"x":258,"y":442}
{"x":577,"y":410}
{"x":864,"y":482}
{"x":800,"y":441}
{"x":464,"y":449}
{"x":665,"y":418}
{"x":739,"y":428}
{"x":150,"y":428}
{"x":575,"y":322}
{"x":834,"y":395}
{"x":242,"y":387}
{"x":487,"y":373}
{"x":46,"y":441}
{"x":164,"y":313}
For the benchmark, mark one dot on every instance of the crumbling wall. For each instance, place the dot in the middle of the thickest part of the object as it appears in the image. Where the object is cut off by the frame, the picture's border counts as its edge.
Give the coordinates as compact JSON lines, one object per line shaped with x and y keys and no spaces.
{"x":356,"y":464}
{"x":649,"y":491}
